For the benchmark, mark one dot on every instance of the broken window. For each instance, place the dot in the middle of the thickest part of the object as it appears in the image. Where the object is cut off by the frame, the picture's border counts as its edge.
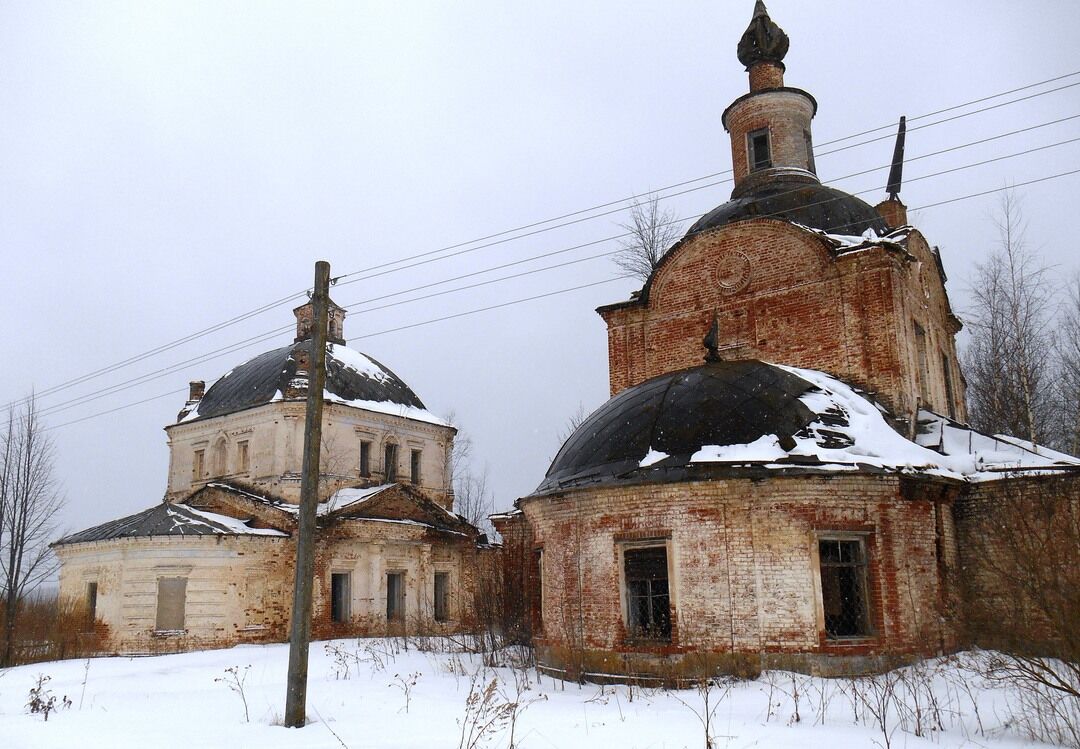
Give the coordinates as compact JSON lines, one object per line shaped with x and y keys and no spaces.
{"x":442,"y":596}
{"x":648,"y":603}
{"x":340,"y":585}
{"x":414,"y":466}
{"x":171,"y":595}
{"x":395,"y":596}
{"x":198,"y":465}
{"x":758,"y":144}
{"x":91,"y":605}
{"x":390,"y":462}
{"x":843,"y":587}
{"x":365,"y":458}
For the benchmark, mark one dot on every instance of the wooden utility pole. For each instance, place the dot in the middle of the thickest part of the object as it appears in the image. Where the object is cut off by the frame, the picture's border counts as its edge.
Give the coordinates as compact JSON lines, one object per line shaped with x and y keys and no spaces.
{"x":300,"y":631}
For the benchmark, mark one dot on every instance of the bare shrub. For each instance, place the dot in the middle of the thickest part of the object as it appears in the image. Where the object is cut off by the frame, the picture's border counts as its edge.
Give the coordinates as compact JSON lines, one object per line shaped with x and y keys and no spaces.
{"x":710,"y":692}
{"x":406,"y":684}
{"x":42,"y":701}
{"x":1022,"y":587}
{"x":234,"y":679}
{"x":486,"y":712}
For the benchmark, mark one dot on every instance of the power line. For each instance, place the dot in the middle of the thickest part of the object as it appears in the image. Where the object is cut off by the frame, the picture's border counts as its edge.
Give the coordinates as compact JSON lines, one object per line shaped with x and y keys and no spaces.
{"x":892,"y":125}
{"x":297,"y":295}
{"x":251,"y":341}
{"x":133,"y":382}
{"x":428,"y":253}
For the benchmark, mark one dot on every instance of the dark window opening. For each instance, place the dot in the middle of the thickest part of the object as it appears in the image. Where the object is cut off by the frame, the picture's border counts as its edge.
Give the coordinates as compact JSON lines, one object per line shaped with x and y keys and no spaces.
{"x":843,"y":588}
{"x":760,"y":155}
{"x":648,"y":604}
{"x":390,"y":462}
{"x":948,"y":386}
{"x":365,"y":459}
{"x":339,"y":596}
{"x":442,"y":596}
{"x":91,"y":605}
{"x":395,"y":596}
{"x":924,"y":368}
{"x":414,"y":466}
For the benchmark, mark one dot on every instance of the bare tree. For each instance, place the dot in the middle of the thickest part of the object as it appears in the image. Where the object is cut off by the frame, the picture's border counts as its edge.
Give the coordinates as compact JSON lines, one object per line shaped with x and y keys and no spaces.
{"x":652,"y":231}
{"x":1068,"y":365}
{"x":572,"y":423}
{"x":30,"y":504}
{"x":473,"y":499}
{"x":1022,"y":590}
{"x":1008,"y":360}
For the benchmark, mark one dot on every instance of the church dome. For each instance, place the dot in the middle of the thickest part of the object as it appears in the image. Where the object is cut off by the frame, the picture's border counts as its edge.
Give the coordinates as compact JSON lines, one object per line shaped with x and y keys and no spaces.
{"x":802,"y":202}
{"x":351,"y":377}
{"x":651,"y":431}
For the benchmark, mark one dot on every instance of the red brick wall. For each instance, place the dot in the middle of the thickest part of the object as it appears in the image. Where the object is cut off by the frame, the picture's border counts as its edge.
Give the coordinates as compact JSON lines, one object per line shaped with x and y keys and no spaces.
{"x":1019,"y":541}
{"x":743,"y":560}
{"x":782,"y":295}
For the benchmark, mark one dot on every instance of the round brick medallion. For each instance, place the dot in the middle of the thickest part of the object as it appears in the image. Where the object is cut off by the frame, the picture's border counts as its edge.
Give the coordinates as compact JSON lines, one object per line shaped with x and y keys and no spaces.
{"x":733,"y":272}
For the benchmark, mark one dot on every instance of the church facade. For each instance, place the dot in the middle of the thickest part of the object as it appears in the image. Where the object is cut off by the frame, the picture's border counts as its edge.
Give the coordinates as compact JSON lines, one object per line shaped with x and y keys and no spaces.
{"x":213,"y":564}
{"x":782,"y":477}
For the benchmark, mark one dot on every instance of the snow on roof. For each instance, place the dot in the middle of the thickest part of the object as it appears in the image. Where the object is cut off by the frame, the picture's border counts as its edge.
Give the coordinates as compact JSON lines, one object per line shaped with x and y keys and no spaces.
{"x":343,"y":498}
{"x":386,"y":407}
{"x":357,"y":362}
{"x":169,"y":520}
{"x":869,"y":238}
{"x":234,"y":525}
{"x":851,"y":432}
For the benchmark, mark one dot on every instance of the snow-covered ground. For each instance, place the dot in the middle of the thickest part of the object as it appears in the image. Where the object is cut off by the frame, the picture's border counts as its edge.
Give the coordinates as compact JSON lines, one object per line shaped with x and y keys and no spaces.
{"x":358,"y":699}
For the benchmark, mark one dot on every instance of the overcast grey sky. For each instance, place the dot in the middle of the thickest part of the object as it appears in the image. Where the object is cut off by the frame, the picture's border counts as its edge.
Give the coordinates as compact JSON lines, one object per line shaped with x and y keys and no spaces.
{"x":165,"y":167}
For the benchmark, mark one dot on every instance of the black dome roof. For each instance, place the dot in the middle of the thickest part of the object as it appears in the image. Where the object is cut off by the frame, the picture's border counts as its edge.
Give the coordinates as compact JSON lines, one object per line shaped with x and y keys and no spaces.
{"x":721,"y":403}
{"x":807,"y":203}
{"x":350,"y":375}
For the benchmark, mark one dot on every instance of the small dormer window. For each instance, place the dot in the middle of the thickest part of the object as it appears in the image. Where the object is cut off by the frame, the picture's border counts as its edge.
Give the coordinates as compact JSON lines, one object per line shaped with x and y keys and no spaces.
{"x":759,"y":151}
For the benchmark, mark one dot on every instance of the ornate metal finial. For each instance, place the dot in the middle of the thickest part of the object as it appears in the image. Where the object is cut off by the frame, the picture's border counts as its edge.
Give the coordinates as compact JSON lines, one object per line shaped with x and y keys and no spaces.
{"x":763,"y":40}
{"x":711,"y":342}
{"x":896,"y":173}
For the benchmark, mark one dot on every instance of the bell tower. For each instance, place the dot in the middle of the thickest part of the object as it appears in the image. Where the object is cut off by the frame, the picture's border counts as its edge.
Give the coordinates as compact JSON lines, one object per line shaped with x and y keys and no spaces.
{"x":770,"y":126}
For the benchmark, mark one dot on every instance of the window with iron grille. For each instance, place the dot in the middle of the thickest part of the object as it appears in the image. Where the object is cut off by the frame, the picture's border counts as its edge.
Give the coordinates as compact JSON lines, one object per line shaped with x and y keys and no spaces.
{"x":648,"y":602}
{"x":340,"y":596}
{"x":843,"y":587}
{"x":442,"y":596}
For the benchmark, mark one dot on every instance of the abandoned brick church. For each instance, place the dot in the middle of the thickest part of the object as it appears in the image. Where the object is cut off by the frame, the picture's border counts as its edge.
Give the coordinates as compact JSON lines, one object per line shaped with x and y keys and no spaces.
{"x":782,"y":476}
